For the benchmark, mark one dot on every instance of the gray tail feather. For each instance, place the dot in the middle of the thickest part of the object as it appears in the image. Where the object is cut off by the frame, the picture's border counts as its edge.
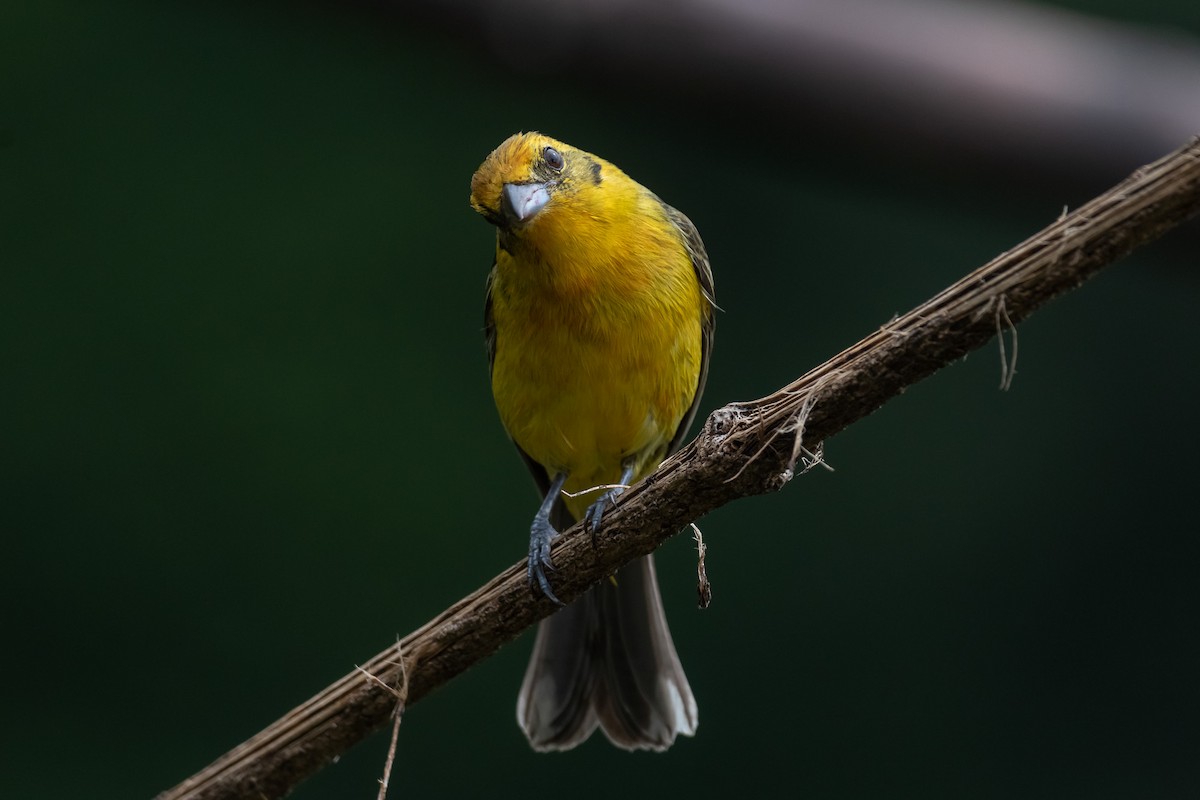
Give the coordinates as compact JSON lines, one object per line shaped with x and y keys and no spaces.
{"x":607,"y":659}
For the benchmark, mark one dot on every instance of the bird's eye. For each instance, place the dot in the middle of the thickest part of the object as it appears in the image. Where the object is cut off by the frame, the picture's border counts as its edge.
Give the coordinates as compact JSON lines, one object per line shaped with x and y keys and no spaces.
{"x":553,"y":159}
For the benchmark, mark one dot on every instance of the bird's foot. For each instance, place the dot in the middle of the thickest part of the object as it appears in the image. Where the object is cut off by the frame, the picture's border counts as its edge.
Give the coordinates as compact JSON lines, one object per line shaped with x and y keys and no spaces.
{"x":541,"y":534}
{"x":595,"y":513}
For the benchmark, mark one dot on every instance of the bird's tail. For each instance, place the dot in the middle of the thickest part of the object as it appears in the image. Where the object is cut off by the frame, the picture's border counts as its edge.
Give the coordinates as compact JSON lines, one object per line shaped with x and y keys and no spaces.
{"x":608,"y":659}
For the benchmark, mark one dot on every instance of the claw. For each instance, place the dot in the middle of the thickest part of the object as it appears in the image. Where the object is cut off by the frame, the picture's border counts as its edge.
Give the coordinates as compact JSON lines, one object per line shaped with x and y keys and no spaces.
{"x":595,"y":513}
{"x":541,"y":534}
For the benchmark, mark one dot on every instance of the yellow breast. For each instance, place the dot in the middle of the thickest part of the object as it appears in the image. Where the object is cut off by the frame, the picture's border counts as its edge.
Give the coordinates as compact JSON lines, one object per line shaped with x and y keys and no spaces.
{"x":598,"y":341}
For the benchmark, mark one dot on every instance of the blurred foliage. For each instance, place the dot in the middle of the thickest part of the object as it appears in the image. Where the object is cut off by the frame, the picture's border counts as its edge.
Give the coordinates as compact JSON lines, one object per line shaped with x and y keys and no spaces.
{"x":247,"y":434}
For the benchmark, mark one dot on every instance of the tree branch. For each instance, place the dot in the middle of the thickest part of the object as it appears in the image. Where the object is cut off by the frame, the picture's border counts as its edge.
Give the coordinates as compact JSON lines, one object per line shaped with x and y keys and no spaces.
{"x":744,"y":449}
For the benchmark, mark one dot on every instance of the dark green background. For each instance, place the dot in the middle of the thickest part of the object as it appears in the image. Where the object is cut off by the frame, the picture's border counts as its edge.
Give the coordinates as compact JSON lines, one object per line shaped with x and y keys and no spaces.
{"x":247,"y":438}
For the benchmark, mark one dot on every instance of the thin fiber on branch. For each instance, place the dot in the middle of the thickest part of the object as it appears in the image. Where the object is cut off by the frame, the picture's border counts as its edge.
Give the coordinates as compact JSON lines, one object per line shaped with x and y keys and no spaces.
{"x":744,"y":449}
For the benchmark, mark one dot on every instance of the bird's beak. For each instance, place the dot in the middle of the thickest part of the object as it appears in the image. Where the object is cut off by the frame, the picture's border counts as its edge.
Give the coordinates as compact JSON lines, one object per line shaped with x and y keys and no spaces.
{"x":520,"y":201}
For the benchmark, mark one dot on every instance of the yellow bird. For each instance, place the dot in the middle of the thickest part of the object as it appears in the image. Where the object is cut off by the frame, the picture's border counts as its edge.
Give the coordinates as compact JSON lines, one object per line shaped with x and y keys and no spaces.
{"x":599,"y":324}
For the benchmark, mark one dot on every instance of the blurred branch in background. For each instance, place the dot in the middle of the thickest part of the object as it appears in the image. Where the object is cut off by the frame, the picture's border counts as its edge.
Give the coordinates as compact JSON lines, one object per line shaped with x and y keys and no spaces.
{"x":1005,"y":82}
{"x":744,"y":449}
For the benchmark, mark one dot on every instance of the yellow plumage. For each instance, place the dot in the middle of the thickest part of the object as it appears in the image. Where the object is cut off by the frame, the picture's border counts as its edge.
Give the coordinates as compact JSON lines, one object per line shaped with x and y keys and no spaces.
{"x":599,"y":320}
{"x":600,"y":311}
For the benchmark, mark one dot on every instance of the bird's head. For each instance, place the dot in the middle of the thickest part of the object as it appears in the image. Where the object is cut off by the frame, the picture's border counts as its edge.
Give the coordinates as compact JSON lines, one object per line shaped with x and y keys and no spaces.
{"x":523,"y":176}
